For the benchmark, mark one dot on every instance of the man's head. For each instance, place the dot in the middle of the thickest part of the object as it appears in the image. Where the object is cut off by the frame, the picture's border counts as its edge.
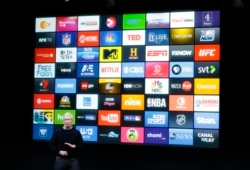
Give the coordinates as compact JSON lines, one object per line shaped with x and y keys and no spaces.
{"x":67,"y":120}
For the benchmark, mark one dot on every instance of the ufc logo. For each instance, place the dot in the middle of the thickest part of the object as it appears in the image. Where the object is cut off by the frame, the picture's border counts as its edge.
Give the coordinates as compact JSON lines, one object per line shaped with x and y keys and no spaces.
{"x":207,"y":52}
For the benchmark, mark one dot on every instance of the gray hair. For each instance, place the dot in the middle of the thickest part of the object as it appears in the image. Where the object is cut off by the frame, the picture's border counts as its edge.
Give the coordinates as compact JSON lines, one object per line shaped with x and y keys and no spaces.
{"x":68,"y":114}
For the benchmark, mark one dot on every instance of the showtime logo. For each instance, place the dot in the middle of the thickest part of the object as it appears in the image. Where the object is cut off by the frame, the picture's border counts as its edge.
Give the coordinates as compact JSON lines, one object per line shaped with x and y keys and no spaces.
{"x":83,"y":39}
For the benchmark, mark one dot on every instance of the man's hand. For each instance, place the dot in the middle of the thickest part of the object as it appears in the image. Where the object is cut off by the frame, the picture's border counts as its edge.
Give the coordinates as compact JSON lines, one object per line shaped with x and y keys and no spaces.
{"x":70,"y":145}
{"x":63,"y":153}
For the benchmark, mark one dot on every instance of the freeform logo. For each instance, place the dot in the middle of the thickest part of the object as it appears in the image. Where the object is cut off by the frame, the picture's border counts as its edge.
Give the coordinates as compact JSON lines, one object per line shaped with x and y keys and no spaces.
{"x":44,"y":70}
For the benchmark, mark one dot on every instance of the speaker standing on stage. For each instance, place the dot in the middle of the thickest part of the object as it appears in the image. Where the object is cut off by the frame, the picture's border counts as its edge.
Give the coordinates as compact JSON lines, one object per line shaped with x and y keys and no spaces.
{"x":66,"y":143}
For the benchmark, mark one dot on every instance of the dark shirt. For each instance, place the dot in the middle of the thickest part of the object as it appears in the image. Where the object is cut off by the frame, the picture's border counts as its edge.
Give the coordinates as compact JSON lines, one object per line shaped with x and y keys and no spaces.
{"x":61,"y":136}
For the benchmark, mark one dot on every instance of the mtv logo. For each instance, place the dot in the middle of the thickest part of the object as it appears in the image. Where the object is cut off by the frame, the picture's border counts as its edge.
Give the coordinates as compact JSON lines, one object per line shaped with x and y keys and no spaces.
{"x":42,"y":132}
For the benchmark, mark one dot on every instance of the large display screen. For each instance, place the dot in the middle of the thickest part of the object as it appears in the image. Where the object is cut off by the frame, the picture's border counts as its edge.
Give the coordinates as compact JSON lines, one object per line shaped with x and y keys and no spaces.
{"x":148,"y":78}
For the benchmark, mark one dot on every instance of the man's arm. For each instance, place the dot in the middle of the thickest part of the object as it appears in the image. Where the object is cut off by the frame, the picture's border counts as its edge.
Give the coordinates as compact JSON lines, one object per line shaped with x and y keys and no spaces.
{"x":53,"y":144}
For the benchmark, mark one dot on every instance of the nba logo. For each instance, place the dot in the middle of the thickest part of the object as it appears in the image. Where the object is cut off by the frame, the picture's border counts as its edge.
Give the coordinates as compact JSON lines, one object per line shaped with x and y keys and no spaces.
{"x":66,"y":39}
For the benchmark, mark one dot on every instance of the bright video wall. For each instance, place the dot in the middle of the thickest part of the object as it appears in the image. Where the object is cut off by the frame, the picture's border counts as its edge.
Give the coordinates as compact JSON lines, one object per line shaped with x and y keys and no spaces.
{"x":148,"y":78}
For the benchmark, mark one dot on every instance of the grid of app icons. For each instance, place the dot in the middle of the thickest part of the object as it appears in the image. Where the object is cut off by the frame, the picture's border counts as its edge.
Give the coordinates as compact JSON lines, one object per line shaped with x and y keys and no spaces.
{"x":149,"y":78}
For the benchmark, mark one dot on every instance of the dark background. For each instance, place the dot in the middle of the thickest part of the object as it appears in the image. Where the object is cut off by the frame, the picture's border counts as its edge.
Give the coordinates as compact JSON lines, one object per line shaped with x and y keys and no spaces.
{"x":20,"y":152}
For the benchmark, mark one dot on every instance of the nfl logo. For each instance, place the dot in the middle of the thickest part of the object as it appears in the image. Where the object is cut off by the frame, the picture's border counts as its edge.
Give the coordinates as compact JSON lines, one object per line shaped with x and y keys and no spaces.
{"x":66,"y":39}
